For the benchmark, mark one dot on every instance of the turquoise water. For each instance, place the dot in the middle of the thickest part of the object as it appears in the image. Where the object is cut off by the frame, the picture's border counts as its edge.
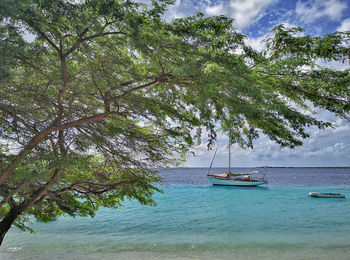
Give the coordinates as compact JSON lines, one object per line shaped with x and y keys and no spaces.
{"x":200,"y":222}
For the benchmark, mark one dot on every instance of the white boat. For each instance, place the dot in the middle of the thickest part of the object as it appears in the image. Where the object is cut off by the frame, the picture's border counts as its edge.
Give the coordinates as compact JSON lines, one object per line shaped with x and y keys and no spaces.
{"x":326,"y":195}
{"x":247,"y":179}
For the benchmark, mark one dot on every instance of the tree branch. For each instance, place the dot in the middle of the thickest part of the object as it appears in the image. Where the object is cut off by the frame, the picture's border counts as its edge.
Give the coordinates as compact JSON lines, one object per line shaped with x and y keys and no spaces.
{"x":43,"y":134}
{"x":94,"y":188}
{"x":81,"y":121}
{"x":162,"y":78}
{"x":32,"y":24}
{"x":81,"y":39}
{"x":42,"y":191}
{"x":77,"y":43}
{"x":102,"y":34}
{"x":16,"y":117}
{"x":10,"y":195}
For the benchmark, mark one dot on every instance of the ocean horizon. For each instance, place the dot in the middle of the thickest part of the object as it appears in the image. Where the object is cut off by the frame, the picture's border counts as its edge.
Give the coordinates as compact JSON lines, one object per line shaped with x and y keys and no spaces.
{"x":195,"y":220}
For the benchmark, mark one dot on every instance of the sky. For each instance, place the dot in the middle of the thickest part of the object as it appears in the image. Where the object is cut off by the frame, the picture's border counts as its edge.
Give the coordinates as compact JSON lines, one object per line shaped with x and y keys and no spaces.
{"x":256,"y":18}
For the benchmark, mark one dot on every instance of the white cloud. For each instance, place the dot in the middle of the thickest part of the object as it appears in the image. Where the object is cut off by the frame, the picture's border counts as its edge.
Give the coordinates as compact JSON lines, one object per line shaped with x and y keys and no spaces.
{"x":334,"y":65}
{"x":258,"y":44}
{"x":312,"y":10}
{"x":175,"y":11}
{"x":341,"y":125}
{"x":245,"y":12}
{"x":345,"y":25}
{"x":184,"y":8}
{"x":335,"y":149}
{"x":215,"y":10}
{"x":329,"y":147}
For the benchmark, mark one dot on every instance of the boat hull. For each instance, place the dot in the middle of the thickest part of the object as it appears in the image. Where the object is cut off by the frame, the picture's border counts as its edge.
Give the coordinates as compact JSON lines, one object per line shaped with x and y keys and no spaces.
{"x":326,"y":195}
{"x":230,"y":182}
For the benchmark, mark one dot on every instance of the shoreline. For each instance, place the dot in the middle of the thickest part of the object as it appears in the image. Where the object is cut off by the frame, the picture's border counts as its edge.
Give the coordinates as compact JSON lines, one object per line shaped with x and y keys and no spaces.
{"x":267,"y":167}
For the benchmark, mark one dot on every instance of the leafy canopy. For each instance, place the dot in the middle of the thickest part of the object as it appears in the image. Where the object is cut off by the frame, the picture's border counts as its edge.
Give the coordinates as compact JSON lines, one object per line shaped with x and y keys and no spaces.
{"x":108,"y":90}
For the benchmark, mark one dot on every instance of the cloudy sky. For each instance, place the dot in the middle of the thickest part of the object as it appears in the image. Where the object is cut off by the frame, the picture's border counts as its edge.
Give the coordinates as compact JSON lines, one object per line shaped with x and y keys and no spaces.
{"x":256,"y":18}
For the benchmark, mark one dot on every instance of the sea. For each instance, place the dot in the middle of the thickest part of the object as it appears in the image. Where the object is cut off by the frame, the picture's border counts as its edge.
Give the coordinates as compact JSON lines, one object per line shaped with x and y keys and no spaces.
{"x":195,"y":220}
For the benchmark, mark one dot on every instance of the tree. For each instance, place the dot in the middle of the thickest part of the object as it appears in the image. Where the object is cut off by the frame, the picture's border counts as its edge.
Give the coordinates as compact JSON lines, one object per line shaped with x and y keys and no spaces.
{"x":108,"y":91}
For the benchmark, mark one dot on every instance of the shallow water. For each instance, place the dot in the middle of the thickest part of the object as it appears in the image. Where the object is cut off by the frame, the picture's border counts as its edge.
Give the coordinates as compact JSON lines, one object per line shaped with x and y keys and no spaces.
{"x":194,"y":220}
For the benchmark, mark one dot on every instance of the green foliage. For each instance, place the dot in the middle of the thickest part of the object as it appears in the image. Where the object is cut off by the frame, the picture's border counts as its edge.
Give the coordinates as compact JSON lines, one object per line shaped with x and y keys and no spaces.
{"x":135,"y":92}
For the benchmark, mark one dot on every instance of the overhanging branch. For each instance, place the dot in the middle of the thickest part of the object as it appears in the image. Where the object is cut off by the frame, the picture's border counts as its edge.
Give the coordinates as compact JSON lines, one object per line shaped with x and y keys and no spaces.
{"x":162,"y":78}
{"x":87,"y":187}
{"x":42,"y":135}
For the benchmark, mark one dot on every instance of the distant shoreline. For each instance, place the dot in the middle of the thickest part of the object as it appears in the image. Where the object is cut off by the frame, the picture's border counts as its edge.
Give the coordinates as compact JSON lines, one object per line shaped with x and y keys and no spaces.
{"x":334,"y":167}
{"x":306,"y":167}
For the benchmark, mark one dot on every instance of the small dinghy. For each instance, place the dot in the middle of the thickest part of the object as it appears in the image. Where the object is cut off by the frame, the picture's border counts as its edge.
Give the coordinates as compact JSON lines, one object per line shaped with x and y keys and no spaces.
{"x":326,"y":195}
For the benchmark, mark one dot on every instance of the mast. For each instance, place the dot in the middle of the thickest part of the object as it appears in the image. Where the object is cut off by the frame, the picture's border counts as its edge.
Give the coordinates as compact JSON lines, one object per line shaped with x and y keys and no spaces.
{"x":229,"y":155}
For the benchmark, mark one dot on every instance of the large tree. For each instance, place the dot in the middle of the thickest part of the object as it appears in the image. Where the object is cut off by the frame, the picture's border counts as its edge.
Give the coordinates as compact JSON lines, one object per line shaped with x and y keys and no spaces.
{"x":95,"y":94}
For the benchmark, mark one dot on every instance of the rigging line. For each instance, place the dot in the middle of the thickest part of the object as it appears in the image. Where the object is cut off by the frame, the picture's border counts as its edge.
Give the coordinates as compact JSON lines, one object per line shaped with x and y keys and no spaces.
{"x":211,"y":164}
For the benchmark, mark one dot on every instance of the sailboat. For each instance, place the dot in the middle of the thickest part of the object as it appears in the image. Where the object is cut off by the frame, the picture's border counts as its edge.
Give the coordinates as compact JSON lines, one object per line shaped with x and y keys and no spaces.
{"x":246,"y":179}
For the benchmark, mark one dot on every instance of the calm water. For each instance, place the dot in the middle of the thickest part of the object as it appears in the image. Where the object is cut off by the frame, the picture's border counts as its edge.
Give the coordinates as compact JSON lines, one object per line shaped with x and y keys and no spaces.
{"x":194,"y":220}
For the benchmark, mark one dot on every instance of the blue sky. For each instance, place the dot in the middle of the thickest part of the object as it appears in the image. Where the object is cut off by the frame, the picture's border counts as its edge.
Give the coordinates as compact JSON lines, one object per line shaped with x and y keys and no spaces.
{"x":256,"y":18}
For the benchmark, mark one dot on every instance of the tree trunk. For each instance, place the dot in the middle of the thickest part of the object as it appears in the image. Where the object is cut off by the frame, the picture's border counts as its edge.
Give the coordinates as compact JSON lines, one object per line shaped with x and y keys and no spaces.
{"x":7,"y":222}
{"x":17,"y":210}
